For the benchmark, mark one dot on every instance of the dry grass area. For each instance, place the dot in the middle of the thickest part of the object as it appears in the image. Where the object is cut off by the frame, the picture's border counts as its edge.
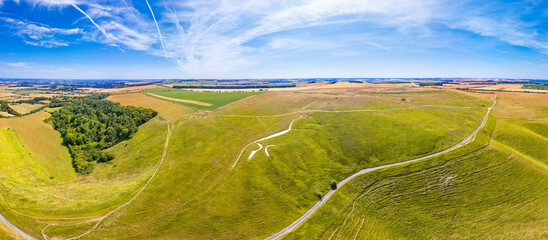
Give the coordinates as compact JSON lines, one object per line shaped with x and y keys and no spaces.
{"x":24,"y":108}
{"x":44,"y":144}
{"x":509,"y":87}
{"x":166,"y":110}
{"x":5,"y":114}
{"x":521,"y":105}
{"x":127,"y":89}
{"x":7,"y":233}
{"x":6,"y":94}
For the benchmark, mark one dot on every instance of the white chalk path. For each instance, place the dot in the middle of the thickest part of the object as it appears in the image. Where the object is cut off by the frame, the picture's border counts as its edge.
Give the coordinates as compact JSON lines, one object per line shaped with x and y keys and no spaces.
{"x":255,"y":151}
{"x":266,"y":150}
{"x":262,"y":139}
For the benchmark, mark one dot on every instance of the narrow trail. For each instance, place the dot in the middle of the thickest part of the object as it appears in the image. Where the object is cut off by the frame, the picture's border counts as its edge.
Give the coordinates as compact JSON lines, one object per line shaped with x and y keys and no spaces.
{"x":100,"y":219}
{"x":326,"y":197}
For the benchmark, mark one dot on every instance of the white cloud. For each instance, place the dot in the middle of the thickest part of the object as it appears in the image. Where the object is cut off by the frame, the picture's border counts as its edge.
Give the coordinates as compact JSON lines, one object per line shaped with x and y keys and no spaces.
{"x":40,"y":35}
{"x":114,"y":23}
{"x":508,"y":30}
{"x":219,"y":31}
{"x":17,"y":64}
{"x":212,"y":37}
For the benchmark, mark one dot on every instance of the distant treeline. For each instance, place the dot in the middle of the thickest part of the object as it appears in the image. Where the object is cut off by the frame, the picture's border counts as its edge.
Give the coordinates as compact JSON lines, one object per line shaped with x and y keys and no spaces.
{"x":91,"y":124}
{"x":236,"y":86}
{"x":36,"y":100}
{"x":429,"y":84}
{"x":493,"y":90}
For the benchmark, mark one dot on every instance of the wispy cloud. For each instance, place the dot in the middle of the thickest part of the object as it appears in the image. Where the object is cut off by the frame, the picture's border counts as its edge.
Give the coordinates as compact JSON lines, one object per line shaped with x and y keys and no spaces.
{"x":17,"y":64}
{"x":212,"y":37}
{"x":218,"y":32}
{"x":39,"y":34}
{"x":508,"y":30}
{"x":117,"y":23}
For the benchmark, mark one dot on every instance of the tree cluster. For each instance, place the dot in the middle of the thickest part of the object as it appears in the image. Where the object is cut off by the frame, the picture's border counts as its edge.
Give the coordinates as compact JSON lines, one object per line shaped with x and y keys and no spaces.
{"x":4,"y":107}
{"x":91,"y":124}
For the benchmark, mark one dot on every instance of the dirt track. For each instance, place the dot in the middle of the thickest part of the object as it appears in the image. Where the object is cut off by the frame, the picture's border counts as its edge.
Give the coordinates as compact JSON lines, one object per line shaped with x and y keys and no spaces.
{"x":181,"y":100}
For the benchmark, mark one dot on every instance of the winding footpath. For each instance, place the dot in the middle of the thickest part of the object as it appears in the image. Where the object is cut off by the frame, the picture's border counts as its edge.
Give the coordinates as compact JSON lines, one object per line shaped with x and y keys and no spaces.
{"x":100,"y":220}
{"x":304,"y":217}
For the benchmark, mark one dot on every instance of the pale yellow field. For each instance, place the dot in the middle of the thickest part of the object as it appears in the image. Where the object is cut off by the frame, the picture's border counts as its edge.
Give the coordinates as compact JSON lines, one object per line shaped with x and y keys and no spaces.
{"x":24,"y":108}
{"x":166,"y":110}
{"x":5,"y":114}
{"x":509,"y":87}
{"x":511,"y":105}
{"x":128,"y":89}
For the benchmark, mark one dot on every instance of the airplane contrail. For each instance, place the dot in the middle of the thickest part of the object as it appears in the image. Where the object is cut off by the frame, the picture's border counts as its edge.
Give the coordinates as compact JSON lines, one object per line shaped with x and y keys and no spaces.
{"x":131,"y":11}
{"x":157,"y":27}
{"x":101,"y":29}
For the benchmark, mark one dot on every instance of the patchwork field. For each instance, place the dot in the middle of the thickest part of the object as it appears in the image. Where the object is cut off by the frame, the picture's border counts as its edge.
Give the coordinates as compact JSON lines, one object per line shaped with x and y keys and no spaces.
{"x":24,"y":108}
{"x":217,"y":181}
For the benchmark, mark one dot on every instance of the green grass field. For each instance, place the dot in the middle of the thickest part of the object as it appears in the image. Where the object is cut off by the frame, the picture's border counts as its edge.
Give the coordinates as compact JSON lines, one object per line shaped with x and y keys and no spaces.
{"x":263,"y":194}
{"x":535,"y":86}
{"x":197,"y":195}
{"x":217,"y":99}
{"x":495,"y":191}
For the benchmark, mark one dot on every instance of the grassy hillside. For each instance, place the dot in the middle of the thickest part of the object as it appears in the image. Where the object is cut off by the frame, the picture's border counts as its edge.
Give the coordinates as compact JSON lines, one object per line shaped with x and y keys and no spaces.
{"x":484,"y":194}
{"x":196,"y":194}
{"x":30,"y":194}
{"x":44,"y":144}
{"x":262,"y":195}
{"x":217,"y":99}
{"x":496,"y":192}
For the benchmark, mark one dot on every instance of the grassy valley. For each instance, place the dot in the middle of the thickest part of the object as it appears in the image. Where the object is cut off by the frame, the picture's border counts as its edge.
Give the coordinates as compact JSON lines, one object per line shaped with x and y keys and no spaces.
{"x":203,"y":190}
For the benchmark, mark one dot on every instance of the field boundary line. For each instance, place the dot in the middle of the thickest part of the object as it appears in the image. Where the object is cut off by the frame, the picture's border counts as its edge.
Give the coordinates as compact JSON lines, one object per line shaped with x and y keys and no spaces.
{"x":204,"y":104}
{"x":341,"y":111}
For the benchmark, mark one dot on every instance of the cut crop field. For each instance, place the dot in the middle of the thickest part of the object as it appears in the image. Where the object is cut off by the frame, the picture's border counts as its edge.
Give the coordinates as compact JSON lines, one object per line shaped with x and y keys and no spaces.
{"x":201,"y":192}
{"x":168,"y":111}
{"x":24,"y":108}
{"x":203,"y":99}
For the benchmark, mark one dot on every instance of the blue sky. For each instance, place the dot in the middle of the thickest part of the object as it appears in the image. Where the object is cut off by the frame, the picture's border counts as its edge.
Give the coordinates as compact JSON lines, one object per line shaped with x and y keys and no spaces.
{"x":273,"y":39}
